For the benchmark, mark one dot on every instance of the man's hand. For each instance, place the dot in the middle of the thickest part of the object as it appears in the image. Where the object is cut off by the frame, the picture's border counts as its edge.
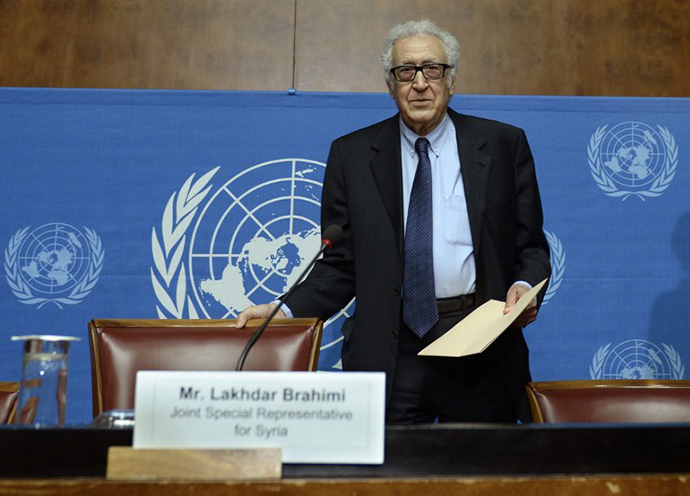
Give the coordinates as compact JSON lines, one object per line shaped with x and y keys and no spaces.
{"x":516,"y":292}
{"x":257,"y":312}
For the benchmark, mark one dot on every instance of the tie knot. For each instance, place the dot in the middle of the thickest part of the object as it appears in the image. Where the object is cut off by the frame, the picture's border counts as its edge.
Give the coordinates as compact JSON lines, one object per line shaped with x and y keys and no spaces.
{"x":421,"y":146}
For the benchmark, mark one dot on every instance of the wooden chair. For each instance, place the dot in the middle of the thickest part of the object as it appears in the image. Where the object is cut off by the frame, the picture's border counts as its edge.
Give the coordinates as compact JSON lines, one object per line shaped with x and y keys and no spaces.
{"x":607,"y":401}
{"x":120,"y":348}
{"x":9,"y":392}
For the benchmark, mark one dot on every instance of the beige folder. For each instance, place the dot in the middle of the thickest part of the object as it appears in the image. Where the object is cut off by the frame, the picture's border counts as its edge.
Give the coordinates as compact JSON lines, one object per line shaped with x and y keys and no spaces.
{"x":478,"y":330}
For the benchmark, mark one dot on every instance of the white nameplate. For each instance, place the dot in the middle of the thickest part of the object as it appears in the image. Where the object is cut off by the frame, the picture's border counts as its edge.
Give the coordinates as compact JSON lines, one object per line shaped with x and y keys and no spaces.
{"x":314,"y":417}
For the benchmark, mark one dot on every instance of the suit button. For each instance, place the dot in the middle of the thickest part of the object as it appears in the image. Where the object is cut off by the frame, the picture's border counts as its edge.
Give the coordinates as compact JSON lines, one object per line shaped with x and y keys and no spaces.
{"x":395,"y":334}
{"x":396,"y":292}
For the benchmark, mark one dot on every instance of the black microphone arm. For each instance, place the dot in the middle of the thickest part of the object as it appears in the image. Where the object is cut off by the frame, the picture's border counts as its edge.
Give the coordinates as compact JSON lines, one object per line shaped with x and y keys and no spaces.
{"x":331,"y":236}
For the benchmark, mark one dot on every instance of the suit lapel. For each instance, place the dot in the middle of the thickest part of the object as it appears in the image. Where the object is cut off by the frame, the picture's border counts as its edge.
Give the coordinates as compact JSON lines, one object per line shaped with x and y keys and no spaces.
{"x":387,"y":170}
{"x":475,"y":166}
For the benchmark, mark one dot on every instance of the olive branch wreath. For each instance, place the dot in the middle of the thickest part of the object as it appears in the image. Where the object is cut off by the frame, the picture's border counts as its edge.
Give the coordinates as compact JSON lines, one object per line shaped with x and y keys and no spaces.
{"x":676,"y":363}
{"x":557,"y":265}
{"x":598,"y":362}
{"x":595,"y":369}
{"x":170,"y":275}
{"x":23,"y":291}
{"x":659,"y":185}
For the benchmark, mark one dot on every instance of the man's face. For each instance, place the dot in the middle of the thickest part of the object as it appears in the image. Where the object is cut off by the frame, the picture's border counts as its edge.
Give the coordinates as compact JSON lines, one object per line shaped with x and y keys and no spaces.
{"x":422,"y":103}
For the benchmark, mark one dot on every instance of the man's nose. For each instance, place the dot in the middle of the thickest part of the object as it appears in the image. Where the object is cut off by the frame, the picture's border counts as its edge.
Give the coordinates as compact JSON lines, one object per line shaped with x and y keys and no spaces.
{"x":419,"y":82}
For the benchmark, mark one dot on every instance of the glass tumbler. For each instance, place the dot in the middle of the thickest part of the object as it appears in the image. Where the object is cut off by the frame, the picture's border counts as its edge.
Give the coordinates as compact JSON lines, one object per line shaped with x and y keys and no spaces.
{"x":43,"y":387}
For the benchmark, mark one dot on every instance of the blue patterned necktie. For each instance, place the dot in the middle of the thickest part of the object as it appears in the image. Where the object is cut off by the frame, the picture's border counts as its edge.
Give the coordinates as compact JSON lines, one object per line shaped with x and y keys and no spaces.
{"x":420,"y":312}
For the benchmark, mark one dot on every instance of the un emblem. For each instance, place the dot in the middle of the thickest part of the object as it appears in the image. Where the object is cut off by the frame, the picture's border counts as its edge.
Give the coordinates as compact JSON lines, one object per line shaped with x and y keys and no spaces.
{"x":246,"y":242}
{"x":557,"y":265}
{"x":637,"y":359}
{"x":632,"y":159}
{"x":55,"y":263}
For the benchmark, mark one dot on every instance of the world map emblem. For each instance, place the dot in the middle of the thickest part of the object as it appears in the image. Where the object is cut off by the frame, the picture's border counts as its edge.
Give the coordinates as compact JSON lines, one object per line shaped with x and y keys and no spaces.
{"x":632,"y":159}
{"x":55,"y":263}
{"x":221,"y":249}
{"x":637,"y":359}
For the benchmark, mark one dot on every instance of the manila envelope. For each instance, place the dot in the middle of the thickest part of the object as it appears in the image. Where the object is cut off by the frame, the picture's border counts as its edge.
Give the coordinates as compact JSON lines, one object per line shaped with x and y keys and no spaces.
{"x":478,"y":330}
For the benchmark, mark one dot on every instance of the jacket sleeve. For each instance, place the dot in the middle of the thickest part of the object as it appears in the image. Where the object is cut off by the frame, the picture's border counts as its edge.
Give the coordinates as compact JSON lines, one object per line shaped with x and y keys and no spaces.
{"x":532,"y":249}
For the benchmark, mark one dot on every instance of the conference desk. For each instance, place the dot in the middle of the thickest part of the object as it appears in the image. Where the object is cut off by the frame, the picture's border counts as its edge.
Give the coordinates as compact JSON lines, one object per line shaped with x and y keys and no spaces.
{"x":432,"y":459}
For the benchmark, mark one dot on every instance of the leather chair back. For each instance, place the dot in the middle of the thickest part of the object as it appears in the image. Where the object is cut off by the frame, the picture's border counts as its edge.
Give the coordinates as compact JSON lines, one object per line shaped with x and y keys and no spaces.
{"x":120,"y":348}
{"x":610,"y":401}
{"x":9,"y":392}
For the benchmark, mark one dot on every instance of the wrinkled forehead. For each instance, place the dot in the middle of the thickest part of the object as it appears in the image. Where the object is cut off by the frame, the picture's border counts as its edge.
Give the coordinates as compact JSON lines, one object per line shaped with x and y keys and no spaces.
{"x":418,"y":50}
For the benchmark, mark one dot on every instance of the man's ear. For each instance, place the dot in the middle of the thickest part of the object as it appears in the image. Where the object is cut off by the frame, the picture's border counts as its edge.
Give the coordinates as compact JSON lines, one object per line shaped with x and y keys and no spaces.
{"x":452,"y":87}
{"x":390,"y":91}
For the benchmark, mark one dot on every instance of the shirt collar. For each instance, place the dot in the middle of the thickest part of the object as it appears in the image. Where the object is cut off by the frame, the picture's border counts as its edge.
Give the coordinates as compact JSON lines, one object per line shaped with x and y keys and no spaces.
{"x":436,"y":138}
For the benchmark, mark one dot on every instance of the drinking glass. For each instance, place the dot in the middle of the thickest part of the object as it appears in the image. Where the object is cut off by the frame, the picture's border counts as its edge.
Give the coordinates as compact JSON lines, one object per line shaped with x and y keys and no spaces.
{"x":43,"y":387}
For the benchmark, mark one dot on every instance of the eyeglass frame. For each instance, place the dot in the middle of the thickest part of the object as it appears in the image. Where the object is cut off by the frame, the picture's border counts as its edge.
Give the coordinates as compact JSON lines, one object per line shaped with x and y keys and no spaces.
{"x":420,"y":68}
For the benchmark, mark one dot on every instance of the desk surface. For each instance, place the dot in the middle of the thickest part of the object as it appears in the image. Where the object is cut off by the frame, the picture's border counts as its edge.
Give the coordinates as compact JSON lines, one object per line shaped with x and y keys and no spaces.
{"x":629,"y":485}
{"x":411,"y":452}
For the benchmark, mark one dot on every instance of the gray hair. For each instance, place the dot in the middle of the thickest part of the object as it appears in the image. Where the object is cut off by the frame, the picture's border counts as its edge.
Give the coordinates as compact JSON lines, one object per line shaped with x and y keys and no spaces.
{"x":416,"y":28}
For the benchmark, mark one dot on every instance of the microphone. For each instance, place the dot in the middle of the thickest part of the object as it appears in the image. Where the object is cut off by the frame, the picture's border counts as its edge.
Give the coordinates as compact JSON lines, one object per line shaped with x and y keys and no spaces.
{"x":330,"y":237}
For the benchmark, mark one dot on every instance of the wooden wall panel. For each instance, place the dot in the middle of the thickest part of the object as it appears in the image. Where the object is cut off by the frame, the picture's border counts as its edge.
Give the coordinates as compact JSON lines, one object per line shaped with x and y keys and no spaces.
{"x":180,"y":44}
{"x":563,"y":47}
{"x":552,"y":47}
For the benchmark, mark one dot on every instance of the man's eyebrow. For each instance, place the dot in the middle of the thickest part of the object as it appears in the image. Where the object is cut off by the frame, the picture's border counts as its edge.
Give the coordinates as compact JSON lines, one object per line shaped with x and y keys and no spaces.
{"x":424,"y":62}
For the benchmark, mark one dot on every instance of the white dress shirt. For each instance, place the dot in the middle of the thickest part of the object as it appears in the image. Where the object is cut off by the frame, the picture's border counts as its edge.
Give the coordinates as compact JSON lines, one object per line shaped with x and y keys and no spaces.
{"x":454,"y":266}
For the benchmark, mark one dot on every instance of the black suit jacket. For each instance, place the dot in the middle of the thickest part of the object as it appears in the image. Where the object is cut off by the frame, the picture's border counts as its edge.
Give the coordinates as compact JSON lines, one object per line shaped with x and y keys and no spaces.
{"x":362,"y":192}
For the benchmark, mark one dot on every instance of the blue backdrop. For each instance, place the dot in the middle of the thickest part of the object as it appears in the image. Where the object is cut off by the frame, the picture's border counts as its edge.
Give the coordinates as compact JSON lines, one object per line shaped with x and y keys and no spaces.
{"x":144,"y":204}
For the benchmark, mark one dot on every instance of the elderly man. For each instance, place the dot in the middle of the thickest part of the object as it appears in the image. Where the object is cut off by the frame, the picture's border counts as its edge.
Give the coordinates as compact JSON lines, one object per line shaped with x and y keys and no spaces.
{"x":440,"y":212}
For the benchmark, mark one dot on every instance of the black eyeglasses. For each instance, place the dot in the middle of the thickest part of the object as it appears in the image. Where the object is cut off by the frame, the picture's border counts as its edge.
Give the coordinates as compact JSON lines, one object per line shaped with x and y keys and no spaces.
{"x":407,"y":73}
